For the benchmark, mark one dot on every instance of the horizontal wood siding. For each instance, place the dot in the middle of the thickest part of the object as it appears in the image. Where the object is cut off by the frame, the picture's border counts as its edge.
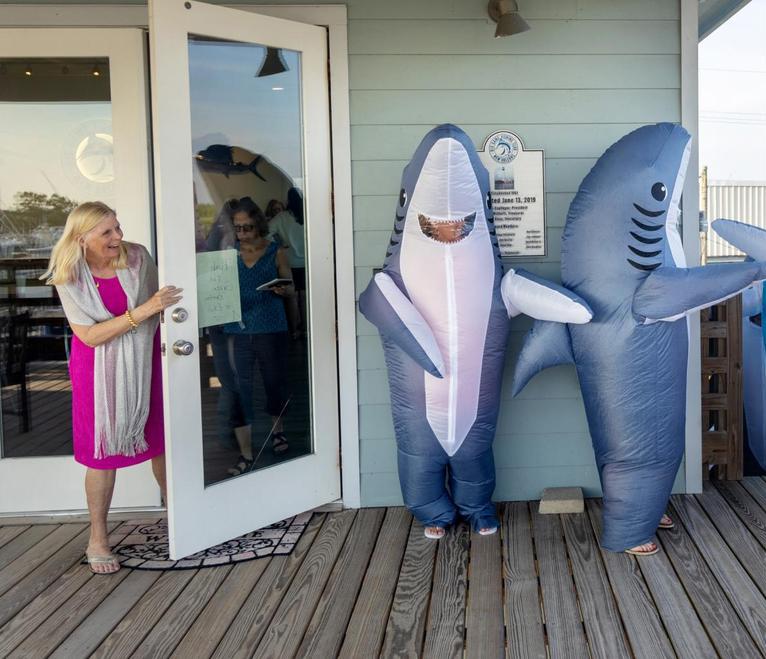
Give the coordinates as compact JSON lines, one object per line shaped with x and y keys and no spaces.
{"x":587,"y":72}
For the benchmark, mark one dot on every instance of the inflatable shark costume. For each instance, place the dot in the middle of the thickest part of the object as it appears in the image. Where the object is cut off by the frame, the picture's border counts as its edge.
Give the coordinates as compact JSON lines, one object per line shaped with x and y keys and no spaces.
{"x":622,"y":253}
{"x":443,"y":315}
{"x":751,"y":240}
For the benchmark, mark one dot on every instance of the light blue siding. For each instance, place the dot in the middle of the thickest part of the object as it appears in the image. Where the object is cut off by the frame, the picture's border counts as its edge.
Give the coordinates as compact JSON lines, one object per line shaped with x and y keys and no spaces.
{"x":587,"y":72}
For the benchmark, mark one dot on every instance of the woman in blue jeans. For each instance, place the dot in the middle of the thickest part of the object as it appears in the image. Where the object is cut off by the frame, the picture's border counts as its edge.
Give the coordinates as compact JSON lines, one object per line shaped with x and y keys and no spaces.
{"x":261,"y":336}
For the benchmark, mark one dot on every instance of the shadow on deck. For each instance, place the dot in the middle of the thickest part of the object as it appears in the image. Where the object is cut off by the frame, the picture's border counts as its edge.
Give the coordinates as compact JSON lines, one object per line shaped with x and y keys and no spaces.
{"x":367,"y":583}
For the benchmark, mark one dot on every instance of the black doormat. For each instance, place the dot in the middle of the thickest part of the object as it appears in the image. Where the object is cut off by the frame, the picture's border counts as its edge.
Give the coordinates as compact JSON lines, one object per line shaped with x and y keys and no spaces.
{"x":146,"y":546}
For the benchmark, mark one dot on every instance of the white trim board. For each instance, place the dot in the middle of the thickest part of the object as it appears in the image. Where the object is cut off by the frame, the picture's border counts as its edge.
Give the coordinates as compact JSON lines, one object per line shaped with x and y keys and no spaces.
{"x":335,"y":17}
{"x":690,"y":121}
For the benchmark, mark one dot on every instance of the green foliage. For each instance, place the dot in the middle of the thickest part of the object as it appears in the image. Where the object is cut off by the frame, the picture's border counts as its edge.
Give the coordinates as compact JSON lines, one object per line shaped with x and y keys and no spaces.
{"x":31,"y":209}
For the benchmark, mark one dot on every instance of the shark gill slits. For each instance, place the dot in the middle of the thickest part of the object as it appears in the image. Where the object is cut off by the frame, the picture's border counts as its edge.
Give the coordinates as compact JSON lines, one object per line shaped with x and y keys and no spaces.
{"x":659,"y":191}
{"x":388,"y":254}
{"x":647,"y":227}
{"x":398,"y":232}
{"x":641,"y":266}
{"x":646,"y":255}
{"x":646,"y":212}
{"x":644,"y":239}
{"x":402,"y":197}
{"x":392,"y":242}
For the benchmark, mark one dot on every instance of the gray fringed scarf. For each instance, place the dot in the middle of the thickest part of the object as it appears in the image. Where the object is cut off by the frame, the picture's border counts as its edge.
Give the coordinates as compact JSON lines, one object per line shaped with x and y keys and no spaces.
{"x":122,"y":367}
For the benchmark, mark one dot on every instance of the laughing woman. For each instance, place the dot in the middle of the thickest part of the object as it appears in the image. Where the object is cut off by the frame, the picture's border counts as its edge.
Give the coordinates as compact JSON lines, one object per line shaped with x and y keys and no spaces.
{"x":108,"y":289}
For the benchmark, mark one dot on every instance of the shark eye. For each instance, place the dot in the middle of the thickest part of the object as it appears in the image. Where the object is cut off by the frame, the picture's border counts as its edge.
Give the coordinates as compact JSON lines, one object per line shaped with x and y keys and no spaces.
{"x":659,"y":191}
{"x":402,"y":197}
{"x":489,"y":200}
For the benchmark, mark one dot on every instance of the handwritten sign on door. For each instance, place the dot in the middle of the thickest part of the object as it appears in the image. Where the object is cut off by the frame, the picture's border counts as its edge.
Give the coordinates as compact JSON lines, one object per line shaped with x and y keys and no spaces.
{"x":218,"y":288}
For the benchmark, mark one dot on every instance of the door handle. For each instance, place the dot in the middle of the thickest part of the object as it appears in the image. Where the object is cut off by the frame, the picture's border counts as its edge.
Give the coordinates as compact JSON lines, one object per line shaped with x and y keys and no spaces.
{"x":183,"y":348}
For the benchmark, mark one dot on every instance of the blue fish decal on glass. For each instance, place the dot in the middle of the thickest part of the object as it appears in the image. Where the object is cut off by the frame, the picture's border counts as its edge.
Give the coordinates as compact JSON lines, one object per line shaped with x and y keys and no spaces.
{"x":220,"y":158}
{"x":621,"y":252}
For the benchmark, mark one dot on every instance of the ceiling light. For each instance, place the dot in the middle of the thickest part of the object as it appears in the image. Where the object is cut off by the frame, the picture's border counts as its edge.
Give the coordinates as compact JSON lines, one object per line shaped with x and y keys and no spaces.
{"x":28,"y":70}
{"x":506,"y":14}
{"x":96,"y":71}
{"x":277,"y":89}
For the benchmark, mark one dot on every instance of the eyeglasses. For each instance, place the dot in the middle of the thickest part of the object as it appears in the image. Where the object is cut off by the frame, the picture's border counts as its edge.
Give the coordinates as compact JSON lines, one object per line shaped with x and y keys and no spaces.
{"x":241,"y":228}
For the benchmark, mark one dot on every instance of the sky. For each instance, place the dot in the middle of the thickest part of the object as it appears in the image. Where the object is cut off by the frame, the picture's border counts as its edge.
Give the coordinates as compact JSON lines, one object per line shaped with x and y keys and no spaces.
{"x":732,"y":97}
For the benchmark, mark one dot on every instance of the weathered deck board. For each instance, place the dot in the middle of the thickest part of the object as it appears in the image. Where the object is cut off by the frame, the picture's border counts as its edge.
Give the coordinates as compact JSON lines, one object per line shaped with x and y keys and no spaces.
{"x":376,"y":587}
{"x":485,"y":630}
{"x":125,"y":637}
{"x":252,"y":620}
{"x":367,"y":626}
{"x":741,"y":501}
{"x":92,"y":631}
{"x":171,"y":627}
{"x":722,"y":624}
{"x":446,"y":620}
{"x":210,"y":626}
{"x":744,"y":545}
{"x":23,"y":542}
{"x":409,"y":611}
{"x":757,"y":489}
{"x":284,"y":635}
{"x":599,"y":610}
{"x":562,"y":619}
{"x":749,"y":603}
{"x":44,"y":571}
{"x":525,"y":635}
{"x":8,"y":533}
{"x":643,"y":625}
{"x":324,"y":635}
{"x":62,"y":622}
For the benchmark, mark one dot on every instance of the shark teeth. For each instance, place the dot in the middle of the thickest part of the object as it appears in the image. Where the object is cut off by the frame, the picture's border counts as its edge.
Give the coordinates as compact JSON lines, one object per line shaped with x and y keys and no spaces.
{"x":446,"y":231}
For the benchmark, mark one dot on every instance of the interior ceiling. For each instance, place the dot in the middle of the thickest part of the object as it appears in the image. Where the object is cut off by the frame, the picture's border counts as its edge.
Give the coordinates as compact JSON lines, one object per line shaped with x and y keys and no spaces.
{"x":713,"y":13}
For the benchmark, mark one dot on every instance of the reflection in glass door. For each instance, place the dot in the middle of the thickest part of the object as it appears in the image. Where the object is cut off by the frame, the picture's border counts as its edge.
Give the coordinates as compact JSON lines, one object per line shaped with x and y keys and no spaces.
{"x":249,"y":224}
{"x":56,"y":150}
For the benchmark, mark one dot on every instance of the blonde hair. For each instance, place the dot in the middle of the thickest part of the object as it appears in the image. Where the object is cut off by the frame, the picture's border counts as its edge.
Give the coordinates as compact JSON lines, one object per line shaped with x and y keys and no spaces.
{"x":68,"y":253}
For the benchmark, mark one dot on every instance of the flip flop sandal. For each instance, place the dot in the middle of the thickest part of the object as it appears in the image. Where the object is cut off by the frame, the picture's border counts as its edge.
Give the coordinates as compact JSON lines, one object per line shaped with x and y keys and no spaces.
{"x":102,"y":560}
{"x":434,"y":532}
{"x":643,"y":552}
{"x":279,"y":443}
{"x":490,"y":530}
{"x":243,"y":465}
{"x":666,"y":526}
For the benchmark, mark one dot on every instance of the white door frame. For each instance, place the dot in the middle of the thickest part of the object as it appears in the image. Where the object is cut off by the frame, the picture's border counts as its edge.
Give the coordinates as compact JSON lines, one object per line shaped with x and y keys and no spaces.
{"x":23,"y":480}
{"x":335,"y":18}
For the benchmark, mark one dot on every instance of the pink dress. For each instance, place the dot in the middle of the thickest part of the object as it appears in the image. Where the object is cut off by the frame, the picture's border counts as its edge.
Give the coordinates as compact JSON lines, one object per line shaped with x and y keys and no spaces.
{"x":81,"y":373}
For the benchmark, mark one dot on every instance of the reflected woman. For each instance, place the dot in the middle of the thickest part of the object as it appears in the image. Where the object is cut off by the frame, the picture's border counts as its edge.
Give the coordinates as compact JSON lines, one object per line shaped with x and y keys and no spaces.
{"x":108,"y":289}
{"x":261,"y":335}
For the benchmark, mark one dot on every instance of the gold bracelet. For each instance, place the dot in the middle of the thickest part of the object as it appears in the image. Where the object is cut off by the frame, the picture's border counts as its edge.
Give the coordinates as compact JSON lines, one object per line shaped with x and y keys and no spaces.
{"x":133,"y":323}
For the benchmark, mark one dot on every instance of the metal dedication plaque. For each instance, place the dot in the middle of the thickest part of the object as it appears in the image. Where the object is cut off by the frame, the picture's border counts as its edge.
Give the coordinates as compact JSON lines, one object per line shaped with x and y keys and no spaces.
{"x":517,"y":187}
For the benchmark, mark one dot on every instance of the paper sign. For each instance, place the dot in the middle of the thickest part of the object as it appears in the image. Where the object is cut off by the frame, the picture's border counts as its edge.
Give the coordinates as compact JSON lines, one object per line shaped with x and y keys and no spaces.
{"x":218,"y":288}
{"x":517,"y":189}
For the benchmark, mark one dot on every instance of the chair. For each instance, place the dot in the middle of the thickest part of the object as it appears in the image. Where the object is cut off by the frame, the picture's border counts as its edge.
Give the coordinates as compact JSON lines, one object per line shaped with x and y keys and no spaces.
{"x":14,"y":330}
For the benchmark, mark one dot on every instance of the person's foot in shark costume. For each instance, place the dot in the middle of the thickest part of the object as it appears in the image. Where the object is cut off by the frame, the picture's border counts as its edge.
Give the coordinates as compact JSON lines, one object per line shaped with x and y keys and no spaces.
{"x":621,"y":252}
{"x":443,"y":310}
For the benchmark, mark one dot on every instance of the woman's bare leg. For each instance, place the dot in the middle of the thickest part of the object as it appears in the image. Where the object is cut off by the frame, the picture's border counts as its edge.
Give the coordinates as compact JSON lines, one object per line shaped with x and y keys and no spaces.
{"x":99,"y":486}
{"x":158,"y":469}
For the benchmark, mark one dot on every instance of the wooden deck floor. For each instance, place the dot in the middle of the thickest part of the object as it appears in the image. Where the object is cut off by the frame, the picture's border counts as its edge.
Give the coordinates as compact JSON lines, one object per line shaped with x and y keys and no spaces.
{"x":366,"y":583}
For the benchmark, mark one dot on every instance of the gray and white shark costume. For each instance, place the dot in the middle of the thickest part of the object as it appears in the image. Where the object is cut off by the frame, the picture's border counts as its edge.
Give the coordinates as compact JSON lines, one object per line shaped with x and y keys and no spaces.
{"x":443,"y":310}
{"x":621,"y":251}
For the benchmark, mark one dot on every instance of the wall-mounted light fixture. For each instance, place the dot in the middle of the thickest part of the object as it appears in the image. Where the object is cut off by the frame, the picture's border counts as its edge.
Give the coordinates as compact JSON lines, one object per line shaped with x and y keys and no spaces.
{"x":27,"y":70}
{"x":506,"y":14}
{"x":273,"y":63}
{"x":96,"y":71}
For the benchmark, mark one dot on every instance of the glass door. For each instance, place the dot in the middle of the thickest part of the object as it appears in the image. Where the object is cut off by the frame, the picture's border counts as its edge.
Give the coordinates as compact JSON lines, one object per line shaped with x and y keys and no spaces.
{"x":243,"y":192}
{"x":72,"y":129}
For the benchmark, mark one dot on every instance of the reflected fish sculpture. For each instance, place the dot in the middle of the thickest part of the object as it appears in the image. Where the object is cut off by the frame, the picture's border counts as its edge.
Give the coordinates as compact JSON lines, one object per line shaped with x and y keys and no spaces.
{"x":220,"y":158}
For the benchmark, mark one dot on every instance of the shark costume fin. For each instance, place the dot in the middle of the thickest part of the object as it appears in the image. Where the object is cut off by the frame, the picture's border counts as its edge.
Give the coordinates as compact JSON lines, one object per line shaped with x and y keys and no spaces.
{"x":546,"y":344}
{"x":534,"y":296}
{"x":386,"y":307}
{"x":672,"y":293}
{"x":745,"y":237}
